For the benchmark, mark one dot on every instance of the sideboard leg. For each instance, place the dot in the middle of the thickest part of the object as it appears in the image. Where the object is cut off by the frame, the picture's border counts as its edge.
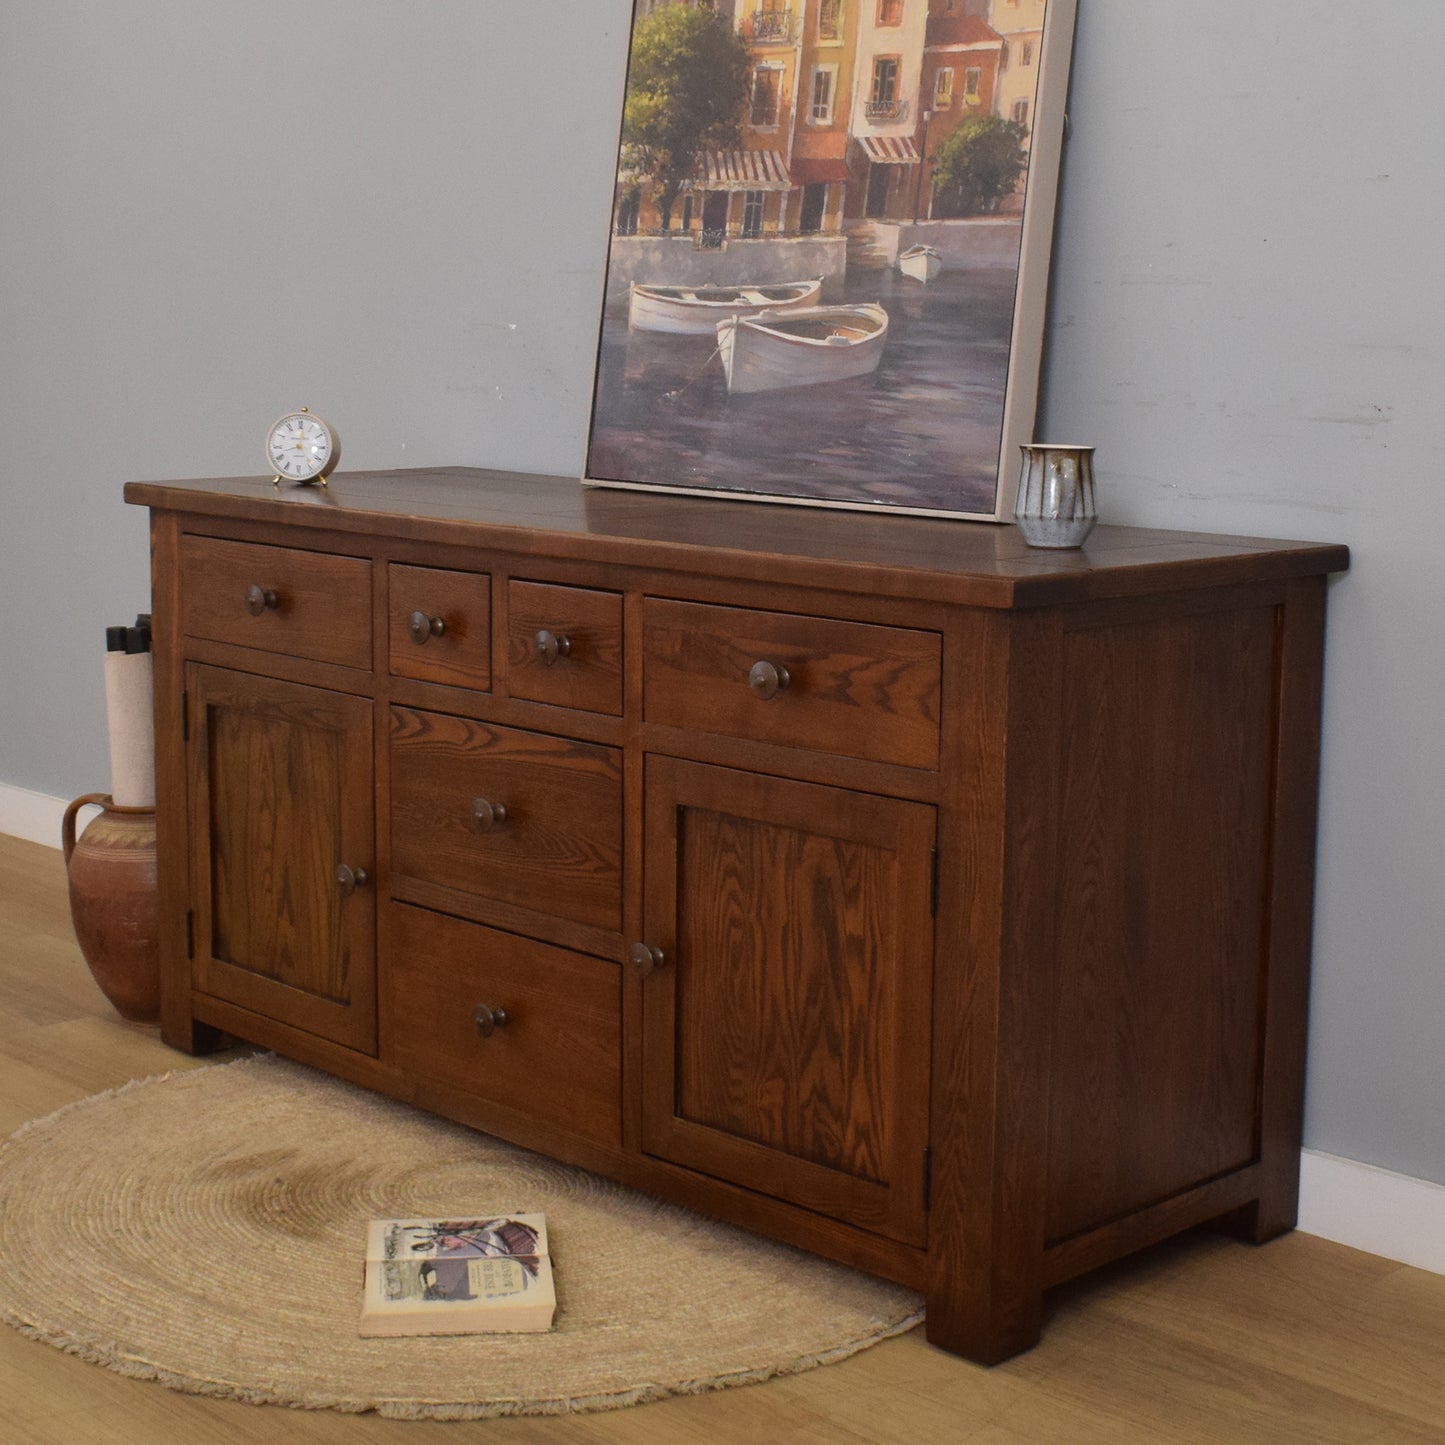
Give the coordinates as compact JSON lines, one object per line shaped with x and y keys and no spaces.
{"x":190,"y":1036}
{"x":986,"y":1326}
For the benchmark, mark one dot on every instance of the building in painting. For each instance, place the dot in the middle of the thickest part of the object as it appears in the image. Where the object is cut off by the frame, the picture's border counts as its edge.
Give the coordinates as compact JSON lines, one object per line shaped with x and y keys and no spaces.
{"x":818,"y":160}
{"x":846,"y":101}
{"x":885,"y":110}
{"x":1020,"y":23}
{"x":961,"y":61}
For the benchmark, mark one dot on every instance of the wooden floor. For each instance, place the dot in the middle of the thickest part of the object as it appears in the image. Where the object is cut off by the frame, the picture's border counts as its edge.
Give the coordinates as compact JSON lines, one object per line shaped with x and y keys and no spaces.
{"x":1204,"y":1340}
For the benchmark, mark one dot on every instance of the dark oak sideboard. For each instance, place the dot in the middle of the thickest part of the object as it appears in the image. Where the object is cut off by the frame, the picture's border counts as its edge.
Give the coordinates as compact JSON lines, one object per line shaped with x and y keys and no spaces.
{"x":937,"y":905}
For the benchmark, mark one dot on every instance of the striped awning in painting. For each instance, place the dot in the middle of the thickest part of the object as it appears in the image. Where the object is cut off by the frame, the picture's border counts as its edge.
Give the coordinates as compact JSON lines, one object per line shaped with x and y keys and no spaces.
{"x":741,"y":171}
{"x":890,"y":150}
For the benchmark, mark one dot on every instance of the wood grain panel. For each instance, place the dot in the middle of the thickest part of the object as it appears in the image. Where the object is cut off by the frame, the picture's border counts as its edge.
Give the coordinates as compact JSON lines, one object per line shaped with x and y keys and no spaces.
{"x":462,"y":655}
{"x":1163,"y":850}
{"x":856,"y":689}
{"x":280,"y":795}
{"x":786,"y":1043}
{"x":322,"y":601}
{"x":558,"y":1057}
{"x":590,"y":675}
{"x":560,"y":848}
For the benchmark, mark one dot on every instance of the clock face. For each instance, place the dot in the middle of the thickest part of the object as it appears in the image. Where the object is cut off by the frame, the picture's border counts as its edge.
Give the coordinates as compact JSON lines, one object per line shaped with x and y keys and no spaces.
{"x":300,"y":447}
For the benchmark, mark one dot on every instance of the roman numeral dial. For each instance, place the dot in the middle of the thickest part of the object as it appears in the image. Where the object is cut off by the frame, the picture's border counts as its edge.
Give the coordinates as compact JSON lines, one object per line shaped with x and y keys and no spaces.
{"x":301,"y":448}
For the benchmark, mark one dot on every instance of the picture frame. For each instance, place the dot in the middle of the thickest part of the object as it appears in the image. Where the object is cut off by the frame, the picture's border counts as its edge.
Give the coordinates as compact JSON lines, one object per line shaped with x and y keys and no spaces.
{"x":828,"y":265}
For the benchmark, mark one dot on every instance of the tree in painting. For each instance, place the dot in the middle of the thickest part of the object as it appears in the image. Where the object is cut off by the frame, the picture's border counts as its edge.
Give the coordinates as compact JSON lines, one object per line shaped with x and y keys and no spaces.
{"x":685,"y":90}
{"x":978,"y":165}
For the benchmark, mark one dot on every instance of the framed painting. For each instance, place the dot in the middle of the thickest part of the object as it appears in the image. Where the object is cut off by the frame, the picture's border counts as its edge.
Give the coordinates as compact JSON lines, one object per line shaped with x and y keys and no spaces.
{"x":829,"y":258}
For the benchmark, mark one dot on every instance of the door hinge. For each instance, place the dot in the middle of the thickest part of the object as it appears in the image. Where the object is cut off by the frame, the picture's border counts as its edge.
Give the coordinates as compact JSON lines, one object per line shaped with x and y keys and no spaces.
{"x":185,"y":717}
{"x":190,"y":933}
{"x":928,"y":1176}
{"x":933,"y":885}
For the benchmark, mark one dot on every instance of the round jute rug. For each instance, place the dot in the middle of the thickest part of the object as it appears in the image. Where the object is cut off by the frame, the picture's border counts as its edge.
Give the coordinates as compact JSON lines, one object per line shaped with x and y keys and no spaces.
{"x":206,"y":1229}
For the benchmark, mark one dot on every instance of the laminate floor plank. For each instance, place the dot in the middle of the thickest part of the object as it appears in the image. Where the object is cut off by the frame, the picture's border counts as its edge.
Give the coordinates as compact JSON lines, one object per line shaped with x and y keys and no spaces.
{"x":1202,"y":1341}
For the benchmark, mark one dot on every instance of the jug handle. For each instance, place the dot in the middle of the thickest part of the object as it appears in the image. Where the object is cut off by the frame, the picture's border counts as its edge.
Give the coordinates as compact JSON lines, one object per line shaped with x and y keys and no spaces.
{"x":67,"y":826}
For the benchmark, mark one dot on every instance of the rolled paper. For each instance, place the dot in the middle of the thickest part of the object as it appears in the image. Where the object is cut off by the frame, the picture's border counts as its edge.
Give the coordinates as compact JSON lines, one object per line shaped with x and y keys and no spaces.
{"x":130,"y":714}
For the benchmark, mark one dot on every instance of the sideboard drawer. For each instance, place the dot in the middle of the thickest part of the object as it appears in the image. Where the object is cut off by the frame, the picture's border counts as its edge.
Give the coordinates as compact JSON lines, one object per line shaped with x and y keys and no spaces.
{"x":532,"y":1028}
{"x":854,"y":688}
{"x":315,"y":605}
{"x":439,"y":625}
{"x":564,"y":646}
{"x":524,"y":818}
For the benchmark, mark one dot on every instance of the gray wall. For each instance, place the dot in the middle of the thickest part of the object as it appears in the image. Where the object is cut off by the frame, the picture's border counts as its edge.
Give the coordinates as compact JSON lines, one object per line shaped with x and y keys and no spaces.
{"x":396,"y":214}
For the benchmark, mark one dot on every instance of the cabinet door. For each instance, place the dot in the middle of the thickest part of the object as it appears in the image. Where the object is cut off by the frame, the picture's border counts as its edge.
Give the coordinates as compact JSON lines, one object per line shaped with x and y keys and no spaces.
{"x":786,"y":1033}
{"x":282,"y":851}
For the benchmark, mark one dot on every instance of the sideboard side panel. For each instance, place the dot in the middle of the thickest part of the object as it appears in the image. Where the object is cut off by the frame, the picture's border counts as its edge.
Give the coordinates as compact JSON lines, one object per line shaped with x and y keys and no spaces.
{"x":1166,"y":731}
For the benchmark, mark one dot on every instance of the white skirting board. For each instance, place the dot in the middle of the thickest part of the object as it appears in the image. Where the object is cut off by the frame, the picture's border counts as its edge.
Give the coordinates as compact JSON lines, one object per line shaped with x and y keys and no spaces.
{"x":36,"y":817}
{"x":1393,"y":1215}
{"x":1356,"y":1204}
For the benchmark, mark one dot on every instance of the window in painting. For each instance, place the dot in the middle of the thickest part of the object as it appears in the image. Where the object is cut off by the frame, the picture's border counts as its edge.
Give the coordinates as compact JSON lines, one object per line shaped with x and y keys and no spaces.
{"x":943,"y":89}
{"x":820,"y":109}
{"x":885,"y":81}
{"x":890,"y":12}
{"x":830,"y":20}
{"x":971,"y":78}
{"x":764,"y":109}
{"x":753,"y":213}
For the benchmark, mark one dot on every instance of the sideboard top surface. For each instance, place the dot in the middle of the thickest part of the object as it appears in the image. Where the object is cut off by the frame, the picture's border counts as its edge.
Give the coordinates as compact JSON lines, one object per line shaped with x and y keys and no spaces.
{"x":971,"y":563}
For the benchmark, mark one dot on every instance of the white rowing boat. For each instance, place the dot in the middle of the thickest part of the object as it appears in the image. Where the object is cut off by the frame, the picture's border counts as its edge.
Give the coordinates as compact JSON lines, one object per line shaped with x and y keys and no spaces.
{"x":922,"y":263}
{"x":801,"y":348}
{"x":696,"y":310}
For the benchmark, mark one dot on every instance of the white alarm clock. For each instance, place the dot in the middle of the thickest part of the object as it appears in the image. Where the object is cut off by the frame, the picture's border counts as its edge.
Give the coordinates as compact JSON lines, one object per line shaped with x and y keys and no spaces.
{"x":301,"y":448}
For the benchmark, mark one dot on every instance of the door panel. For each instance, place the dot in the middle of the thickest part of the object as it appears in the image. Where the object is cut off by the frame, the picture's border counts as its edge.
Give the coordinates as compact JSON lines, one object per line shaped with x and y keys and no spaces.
{"x":280,"y":797}
{"x":786,"y":1037}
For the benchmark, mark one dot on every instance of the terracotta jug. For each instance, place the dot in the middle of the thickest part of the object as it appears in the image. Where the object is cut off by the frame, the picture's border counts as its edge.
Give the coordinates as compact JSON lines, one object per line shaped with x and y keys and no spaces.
{"x":113,"y":902}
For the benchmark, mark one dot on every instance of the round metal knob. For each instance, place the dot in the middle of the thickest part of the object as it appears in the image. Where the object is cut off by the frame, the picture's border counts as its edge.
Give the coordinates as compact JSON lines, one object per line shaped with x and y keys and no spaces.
{"x":489,"y":1020}
{"x":646,"y":958}
{"x":768,"y":679}
{"x":423,"y":628}
{"x":348,"y":879}
{"x":488,"y":815}
{"x":261,"y":599}
{"x":551,"y":645}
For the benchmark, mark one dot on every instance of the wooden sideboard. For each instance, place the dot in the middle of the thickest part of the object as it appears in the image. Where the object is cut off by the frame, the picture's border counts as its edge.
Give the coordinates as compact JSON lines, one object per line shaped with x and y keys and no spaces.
{"x":875,"y":883}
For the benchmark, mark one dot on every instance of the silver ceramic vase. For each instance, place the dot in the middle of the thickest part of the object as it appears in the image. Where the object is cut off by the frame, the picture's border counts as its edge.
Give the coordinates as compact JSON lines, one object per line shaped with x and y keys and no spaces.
{"x":1055,"y":506}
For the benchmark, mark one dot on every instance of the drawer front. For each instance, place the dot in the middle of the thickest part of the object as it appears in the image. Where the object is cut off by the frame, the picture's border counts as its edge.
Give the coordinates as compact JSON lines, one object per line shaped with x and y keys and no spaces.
{"x":527,"y":819}
{"x":439,"y":625}
{"x":314,"y":605}
{"x":853,"y":688}
{"x":564,"y":646}
{"x":531,"y":1028}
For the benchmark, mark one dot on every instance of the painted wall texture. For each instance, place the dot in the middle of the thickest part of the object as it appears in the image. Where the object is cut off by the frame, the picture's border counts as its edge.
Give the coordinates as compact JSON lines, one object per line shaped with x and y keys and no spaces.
{"x":397,"y":215}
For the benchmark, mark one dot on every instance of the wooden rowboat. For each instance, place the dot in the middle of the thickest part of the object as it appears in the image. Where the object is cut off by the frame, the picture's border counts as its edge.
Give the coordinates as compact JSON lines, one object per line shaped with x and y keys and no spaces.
{"x":801,"y":347}
{"x":696,"y":310}
{"x":922,"y":263}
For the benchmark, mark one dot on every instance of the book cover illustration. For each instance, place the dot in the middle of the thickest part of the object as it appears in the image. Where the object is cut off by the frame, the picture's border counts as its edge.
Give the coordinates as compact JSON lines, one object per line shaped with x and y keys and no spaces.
{"x":452,"y":1276}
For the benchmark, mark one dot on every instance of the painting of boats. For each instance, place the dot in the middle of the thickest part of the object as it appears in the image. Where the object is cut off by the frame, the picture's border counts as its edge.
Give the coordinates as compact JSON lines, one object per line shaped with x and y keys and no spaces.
{"x":804,"y":347}
{"x":828,"y":253}
{"x":696,"y":310}
{"x":922,"y":263}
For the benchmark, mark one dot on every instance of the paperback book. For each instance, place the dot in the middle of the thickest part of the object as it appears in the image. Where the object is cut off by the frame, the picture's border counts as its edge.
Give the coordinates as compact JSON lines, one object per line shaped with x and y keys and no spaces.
{"x":458,"y":1276}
